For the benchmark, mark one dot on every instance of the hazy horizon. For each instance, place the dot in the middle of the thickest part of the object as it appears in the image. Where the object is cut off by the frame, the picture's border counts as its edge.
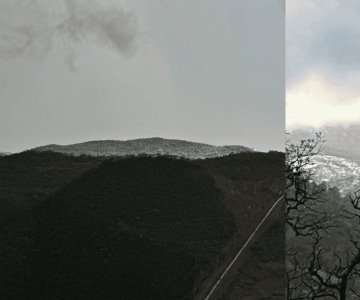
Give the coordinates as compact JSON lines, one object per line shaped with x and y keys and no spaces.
{"x":324,"y":125}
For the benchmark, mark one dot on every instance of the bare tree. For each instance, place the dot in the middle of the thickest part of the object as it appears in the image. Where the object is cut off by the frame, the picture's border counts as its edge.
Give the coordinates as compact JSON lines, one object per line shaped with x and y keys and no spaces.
{"x":333,"y":273}
{"x":355,"y":203}
{"x":316,"y":270}
{"x":302,"y":197}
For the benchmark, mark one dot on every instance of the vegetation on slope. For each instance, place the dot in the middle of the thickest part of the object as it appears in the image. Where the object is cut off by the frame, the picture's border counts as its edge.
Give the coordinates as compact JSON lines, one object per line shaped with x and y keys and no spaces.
{"x":28,"y":178}
{"x":150,"y":146}
{"x":130,"y":228}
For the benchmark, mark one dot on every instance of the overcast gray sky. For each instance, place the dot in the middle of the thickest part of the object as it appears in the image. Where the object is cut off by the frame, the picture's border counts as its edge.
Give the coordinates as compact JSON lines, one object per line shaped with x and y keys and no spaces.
{"x":76,"y":70}
{"x":322,"y":62}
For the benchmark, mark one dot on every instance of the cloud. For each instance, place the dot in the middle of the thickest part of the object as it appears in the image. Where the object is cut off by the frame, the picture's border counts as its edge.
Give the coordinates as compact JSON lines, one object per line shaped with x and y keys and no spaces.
{"x":111,"y":25}
{"x":33,"y":26}
{"x":322,"y":62}
{"x":23,"y":28}
{"x":322,"y":36}
{"x":315,"y":102}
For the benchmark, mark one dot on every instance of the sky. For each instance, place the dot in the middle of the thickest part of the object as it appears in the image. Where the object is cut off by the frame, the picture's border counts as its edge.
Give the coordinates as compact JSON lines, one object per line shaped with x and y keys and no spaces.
{"x":76,"y":70}
{"x":322,"y":63}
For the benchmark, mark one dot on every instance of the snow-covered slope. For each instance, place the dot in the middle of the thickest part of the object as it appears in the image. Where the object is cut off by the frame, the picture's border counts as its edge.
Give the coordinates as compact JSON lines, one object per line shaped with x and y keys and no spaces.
{"x":151,"y":146}
{"x":341,"y":141}
{"x":337,"y":172}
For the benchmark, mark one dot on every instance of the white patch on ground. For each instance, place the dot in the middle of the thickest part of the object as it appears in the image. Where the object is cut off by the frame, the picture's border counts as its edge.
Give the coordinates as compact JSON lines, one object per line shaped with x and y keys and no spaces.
{"x":337,"y":172}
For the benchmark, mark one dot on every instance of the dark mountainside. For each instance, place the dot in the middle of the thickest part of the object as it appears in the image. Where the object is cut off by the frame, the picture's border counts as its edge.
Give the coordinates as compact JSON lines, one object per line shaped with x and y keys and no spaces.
{"x":27,"y":179}
{"x":151,"y":146}
{"x":262,"y":269}
{"x":340,"y":141}
{"x":127,"y":228}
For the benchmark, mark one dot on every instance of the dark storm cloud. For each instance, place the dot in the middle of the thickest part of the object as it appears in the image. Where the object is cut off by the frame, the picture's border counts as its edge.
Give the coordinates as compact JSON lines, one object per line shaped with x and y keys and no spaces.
{"x":323,"y":36}
{"x":30,"y":27}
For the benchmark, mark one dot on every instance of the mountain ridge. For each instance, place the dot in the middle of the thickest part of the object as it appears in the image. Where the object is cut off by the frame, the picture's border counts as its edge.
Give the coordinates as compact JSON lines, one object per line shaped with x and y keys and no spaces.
{"x":150,"y":146}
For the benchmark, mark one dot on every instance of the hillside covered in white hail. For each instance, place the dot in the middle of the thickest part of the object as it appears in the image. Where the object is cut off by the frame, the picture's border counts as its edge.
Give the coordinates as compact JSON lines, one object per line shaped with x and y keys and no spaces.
{"x":149,"y":146}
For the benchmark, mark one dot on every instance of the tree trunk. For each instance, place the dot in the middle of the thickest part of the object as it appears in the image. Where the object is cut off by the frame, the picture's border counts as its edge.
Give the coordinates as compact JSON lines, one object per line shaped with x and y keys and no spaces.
{"x":342,"y":290}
